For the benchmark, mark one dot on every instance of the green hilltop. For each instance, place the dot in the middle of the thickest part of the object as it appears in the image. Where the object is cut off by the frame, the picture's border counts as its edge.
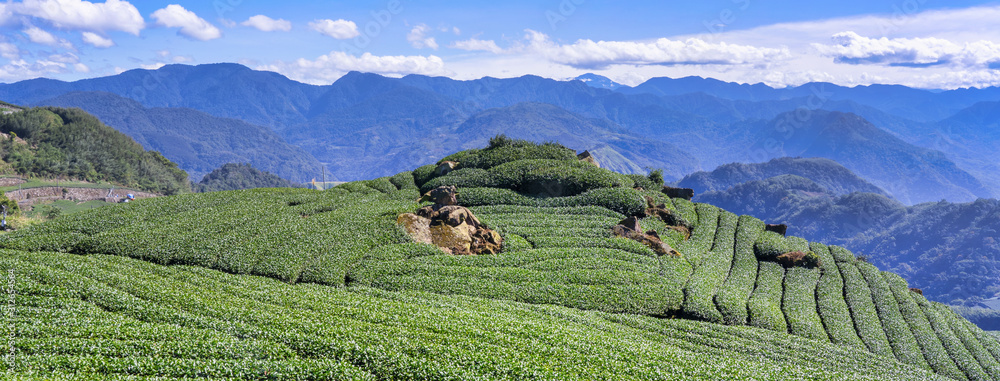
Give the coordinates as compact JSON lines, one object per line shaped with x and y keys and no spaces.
{"x":298,"y":284}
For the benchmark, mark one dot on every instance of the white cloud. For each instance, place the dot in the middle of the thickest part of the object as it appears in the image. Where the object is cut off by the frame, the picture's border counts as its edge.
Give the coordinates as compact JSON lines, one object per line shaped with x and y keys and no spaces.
{"x":418,"y":37}
{"x":81,"y":68}
{"x":588,"y":54}
{"x":268,"y":24}
{"x":39,"y":36}
{"x":166,"y":55}
{"x":191,"y":26}
{"x":340,"y":29}
{"x":9,"y":51}
{"x":97,"y":40}
{"x":851,"y":48}
{"x":328,"y":68}
{"x":66,"y":58}
{"x":153,"y":66}
{"x":18,"y":70}
{"x":5,"y":14}
{"x":474,"y":44}
{"x":83,"y":15}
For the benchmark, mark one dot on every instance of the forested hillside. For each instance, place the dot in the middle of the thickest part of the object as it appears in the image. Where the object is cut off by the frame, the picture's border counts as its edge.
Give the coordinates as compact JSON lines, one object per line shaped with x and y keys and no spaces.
{"x":234,"y":176}
{"x":71,"y":144}
{"x":326,"y":284}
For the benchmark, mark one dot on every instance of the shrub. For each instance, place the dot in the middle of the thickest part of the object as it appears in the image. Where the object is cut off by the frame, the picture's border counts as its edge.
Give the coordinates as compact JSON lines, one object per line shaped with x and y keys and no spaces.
{"x":568,"y":181}
{"x":404,"y":180}
{"x":734,"y":293}
{"x":423,"y":174}
{"x":656,"y":177}
{"x":858,"y":296}
{"x":505,"y":150}
{"x":462,"y":178}
{"x":770,"y":245}
{"x":643,"y":182}
{"x":514,"y":242}
{"x":381,"y":184}
{"x":830,"y":302}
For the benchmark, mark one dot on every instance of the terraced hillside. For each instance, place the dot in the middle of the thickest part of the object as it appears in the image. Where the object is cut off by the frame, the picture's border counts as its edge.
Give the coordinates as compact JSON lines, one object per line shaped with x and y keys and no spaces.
{"x":302,"y":284}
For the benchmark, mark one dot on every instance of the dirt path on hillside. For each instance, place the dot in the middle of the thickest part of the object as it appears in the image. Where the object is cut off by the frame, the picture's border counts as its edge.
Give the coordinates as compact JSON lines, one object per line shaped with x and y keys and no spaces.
{"x":27,"y":197}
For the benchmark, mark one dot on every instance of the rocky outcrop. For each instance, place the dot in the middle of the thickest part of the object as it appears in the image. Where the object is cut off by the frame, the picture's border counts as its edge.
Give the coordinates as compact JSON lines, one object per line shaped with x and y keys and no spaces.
{"x":799,"y":259}
{"x":685,"y":193}
{"x":452,"y":228}
{"x":445,"y":168}
{"x":629,"y":228}
{"x":586,"y":156}
{"x":673,"y":220}
{"x":777,"y":228}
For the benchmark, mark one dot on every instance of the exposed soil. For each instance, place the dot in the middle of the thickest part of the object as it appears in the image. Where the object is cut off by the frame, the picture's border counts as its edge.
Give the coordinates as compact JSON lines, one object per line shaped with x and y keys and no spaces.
{"x":27,"y":197}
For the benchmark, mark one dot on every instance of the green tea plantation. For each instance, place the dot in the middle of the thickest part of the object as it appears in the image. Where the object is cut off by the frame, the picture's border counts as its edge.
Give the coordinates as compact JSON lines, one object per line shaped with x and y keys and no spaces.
{"x":296,"y":284}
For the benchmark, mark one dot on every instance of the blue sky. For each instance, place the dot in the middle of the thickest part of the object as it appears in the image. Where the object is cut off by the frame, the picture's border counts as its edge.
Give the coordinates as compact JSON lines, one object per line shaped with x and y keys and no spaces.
{"x":921,"y":43}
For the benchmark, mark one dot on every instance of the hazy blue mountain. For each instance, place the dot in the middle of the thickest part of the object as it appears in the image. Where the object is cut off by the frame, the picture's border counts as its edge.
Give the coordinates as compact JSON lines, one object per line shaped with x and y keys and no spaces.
{"x":368,"y":118}
{"x":613,"y":147}
{"x":196,"y":141}
{"x":826,"y":173}
{"x":916,"y":104}
{"x":971,"y":137}
{"x":911,"y":174}
{"x":598,"y":81}
{"x":223,"y":90}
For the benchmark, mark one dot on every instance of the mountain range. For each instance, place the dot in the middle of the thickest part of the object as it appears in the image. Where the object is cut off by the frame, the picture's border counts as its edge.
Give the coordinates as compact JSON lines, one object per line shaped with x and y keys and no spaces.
{"x":196,"y":141}
{"x":917,"y":145}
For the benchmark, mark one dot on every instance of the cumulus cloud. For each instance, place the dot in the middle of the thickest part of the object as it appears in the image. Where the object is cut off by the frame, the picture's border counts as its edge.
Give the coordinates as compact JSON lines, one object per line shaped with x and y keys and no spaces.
{"x":191,"y":26}
{"x":20,"y":69}
{"x":851,"y":48}
{"x":418,"y":37}
{"x":588,"y":54}
{"x":39,"y":36}
{"x":340,"y":29}
{"x":474,"y":44}
{"x":328,"y":68}
{"x":268,"y":24}
{"x":83,"y":15}
{"x":97,"y":40}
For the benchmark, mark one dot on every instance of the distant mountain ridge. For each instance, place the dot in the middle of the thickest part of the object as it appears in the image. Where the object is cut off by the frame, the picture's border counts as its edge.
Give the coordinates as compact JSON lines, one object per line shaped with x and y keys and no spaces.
{"x":396,"y":123}
{"x":827,"y":174}
{"x":196,"y":141}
